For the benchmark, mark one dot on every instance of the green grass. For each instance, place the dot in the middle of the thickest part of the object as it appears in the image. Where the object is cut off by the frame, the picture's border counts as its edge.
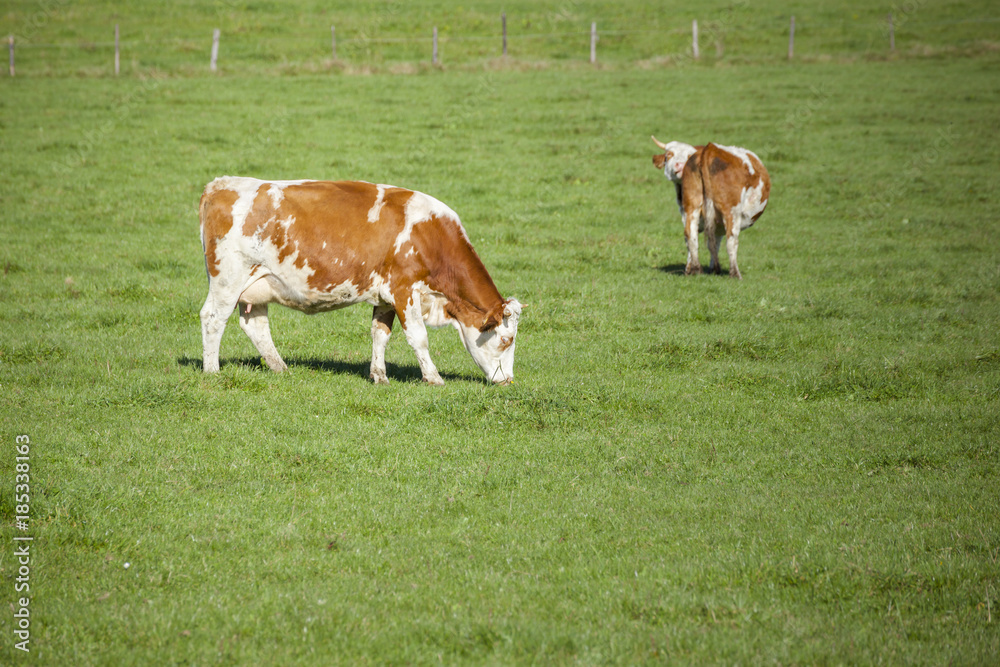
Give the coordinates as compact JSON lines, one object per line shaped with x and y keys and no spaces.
{"x":801,"y":467}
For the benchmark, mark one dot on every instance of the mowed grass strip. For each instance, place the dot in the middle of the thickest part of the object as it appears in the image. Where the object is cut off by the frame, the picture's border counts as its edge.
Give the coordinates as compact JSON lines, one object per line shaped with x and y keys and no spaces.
{"x":799,"y":467}
{"x":62,"y":39}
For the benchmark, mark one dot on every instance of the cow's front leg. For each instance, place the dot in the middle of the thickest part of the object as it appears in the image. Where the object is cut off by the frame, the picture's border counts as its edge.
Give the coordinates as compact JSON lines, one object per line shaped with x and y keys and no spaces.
{"x":412,"y":319}
{"x":691,"y":235}
{"x":382,"y":319}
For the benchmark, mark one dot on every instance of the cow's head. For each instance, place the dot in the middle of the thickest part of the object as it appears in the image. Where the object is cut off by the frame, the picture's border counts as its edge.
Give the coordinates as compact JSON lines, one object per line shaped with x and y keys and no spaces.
{"x":675,"y":156}
{"x":492,"y":343}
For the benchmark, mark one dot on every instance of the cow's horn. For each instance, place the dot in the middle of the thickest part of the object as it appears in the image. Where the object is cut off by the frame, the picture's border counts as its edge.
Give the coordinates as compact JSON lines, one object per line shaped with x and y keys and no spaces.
{"x":658,"y":142}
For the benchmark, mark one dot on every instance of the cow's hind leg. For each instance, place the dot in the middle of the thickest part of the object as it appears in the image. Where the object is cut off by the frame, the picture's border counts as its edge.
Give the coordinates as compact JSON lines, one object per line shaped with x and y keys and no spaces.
{"x":732,"y":245}
{"x":691,"y":219}
{"x":412,"y":320}
{"x":221,"y":300}
{"x":712,"y":238}
{"x":382,"y":319}
{"x":253,"y":321}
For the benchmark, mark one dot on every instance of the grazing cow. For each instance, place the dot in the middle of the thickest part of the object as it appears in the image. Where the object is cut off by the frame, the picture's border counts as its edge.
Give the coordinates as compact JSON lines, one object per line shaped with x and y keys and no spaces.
{"x":719,"y":188}
{"x":321,"y":245}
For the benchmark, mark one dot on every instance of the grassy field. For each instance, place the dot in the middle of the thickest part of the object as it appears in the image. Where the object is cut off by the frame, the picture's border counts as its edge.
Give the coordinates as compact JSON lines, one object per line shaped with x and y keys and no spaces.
{"x":802,"y":467}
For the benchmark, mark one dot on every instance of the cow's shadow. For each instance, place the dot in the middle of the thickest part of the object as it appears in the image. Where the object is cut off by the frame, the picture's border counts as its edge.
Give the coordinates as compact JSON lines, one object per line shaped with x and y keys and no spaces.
{"x":395,"y":372}
{"x":672,"y":269}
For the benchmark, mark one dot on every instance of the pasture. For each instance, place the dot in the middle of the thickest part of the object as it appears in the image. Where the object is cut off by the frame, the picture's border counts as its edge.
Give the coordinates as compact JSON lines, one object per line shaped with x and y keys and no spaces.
{"x":799,"y":467}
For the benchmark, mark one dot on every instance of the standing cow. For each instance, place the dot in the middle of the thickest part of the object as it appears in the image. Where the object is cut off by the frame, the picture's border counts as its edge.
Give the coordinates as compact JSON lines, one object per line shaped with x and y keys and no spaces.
{"x":320,"y":245}
{"x":719,"y":189}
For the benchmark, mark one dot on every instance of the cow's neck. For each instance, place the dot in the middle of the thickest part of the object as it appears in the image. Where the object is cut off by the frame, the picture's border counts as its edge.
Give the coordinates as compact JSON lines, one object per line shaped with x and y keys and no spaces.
{"x":474,"y":297}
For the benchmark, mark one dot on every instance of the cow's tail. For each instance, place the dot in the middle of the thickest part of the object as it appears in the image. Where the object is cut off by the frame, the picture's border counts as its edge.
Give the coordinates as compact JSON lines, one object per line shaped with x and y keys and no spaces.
{"x":707,"y":192}
{"x":202,"y":205}
{"x":201,"y":218}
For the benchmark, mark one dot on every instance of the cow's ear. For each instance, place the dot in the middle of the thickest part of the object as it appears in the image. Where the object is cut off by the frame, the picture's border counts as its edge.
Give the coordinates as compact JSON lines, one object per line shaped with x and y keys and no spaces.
{"x":492,"y":319}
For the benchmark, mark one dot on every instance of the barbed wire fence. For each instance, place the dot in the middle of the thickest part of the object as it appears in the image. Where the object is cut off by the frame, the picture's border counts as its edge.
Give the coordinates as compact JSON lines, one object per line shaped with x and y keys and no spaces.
{"x":366,"y":44}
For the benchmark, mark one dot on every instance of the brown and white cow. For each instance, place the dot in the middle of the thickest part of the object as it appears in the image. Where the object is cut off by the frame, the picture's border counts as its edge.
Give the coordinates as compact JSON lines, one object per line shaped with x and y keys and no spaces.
{"x":719,"y":189}
{"x":320,"y":245}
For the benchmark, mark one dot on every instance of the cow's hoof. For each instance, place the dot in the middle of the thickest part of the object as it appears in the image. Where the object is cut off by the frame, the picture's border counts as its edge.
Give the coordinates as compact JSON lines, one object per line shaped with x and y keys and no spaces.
{"x":692,"y":271}
{"x":436,"y":381}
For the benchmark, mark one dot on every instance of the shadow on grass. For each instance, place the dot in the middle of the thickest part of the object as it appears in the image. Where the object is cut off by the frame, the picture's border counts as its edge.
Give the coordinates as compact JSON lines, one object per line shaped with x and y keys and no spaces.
{"x":394,"y":371}
{"x":672,"y":269}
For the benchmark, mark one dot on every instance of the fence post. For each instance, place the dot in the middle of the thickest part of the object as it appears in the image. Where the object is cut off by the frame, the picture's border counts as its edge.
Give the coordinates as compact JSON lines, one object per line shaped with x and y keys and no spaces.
{"x":503,"y":21}
{"x":333,"y":40}
{"x":117,"y":52}
{"x":694,"y":39}
{"x":593,"y":43}
{"x":434,"y":54}
{"x":892,"y":34}
{"x":791,"y":39}
{"x":215,"y":49}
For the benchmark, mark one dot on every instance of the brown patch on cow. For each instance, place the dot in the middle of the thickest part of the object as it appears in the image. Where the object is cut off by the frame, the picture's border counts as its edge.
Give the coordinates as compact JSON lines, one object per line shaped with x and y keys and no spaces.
{"x":660,"y":161}
{"x":216,"y":212}
{"x":505,"y":342}
{"x":718,"y":165}
{"x":446,"y":261}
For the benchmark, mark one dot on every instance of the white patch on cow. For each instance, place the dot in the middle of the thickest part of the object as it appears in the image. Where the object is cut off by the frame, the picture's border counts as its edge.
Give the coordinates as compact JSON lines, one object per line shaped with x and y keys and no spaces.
{"x":376,"y":210}
{"x":421,"y":208}
{"x":432,"y":306}
{"x":380,"y":289}
{"x":743,"y":154}
{"x":246,"y":193}
{"x":277,"y":194}
{"x":751,"y":205}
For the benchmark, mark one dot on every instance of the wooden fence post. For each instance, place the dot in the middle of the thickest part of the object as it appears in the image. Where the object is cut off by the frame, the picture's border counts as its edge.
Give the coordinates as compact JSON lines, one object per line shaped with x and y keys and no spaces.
{"x":503,"y":21}
{"x":892,"y":34}
{"x":791,"y":40}
{"x":593,"y":43}
{"x":333,"y":40}
{"x":694,"y":39}
{"x":215,"y":49}
{"x":117,"y":52}
{"x":10,"y":46}
{"x":434,"y":53}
